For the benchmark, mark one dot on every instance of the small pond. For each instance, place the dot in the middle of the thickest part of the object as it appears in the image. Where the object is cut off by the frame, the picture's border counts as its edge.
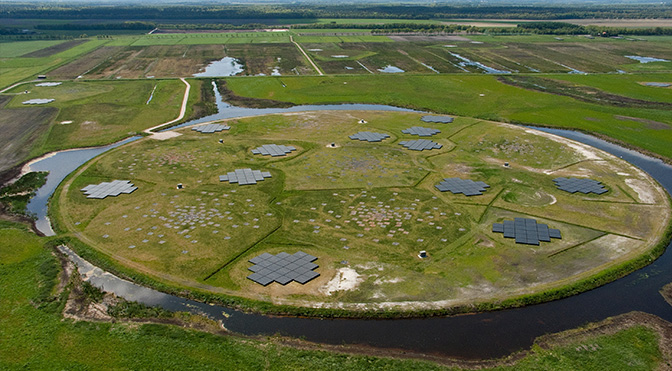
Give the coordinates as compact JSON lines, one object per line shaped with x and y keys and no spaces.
{"x":226,"y":66}
{"x":391,"y":69}
{"x":646,"y":59}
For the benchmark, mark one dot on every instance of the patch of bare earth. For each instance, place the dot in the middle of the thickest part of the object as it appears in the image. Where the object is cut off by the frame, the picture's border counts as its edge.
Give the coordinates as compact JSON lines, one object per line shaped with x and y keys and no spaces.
{"x":643,"y":190}
{"x":429,"y":38}
{"x":650,"y":124}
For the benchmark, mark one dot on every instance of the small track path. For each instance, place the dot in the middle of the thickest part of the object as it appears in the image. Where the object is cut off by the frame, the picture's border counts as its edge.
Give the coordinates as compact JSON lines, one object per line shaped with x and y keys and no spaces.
{"x":183,"y":110}
{"x":291,"y":38}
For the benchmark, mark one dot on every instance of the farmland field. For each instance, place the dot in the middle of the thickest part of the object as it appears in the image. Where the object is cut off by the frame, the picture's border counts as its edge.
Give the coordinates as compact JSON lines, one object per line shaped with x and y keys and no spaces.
{"x":365,"y":210}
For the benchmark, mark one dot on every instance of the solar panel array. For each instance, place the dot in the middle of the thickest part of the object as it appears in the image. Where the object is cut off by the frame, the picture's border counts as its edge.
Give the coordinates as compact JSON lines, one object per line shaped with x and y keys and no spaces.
{"x":283,"y":268}
{"x":369,"y":136}
{"x":441,"y":119}
{"x":466,"y":186}
{"x":244,"y":176}
{"x":526,"y":231}
{"x":210,"y":128}
{"x":420,"y":144}
{"x":104,"y":189}
{"x":584,"y":185}
{"x":49,"y":84}
{"x":38,"y":101}
{"x":420,"y":131}
{"x":274,"y":150}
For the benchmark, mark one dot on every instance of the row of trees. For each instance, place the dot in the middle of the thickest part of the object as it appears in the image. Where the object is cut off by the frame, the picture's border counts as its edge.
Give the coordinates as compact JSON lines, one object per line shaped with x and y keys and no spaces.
{"x":312,"y":11}
{"x":541,"y":28}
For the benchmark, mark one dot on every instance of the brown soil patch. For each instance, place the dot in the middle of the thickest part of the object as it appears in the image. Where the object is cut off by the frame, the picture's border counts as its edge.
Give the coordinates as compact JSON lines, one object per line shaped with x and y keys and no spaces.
{"x":428,"y":38}
{"x":650,"y":124}
{"x":82,"y":65}
{"x":20,"y":128}
{"x":49,"y":51}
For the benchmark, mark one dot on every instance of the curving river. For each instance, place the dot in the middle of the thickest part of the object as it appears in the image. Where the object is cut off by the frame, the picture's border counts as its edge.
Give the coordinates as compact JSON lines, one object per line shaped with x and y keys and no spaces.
{"x":484,"y":335}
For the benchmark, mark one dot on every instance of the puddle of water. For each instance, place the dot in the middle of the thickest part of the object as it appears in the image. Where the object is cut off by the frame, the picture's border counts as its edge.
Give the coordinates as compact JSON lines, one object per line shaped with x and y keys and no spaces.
{"x":469,"y":62}
{"x":151,"y":96}
{"x":340,"y":56}
{"x":226,"y":66}
{"x":276,"y":71}
{"x":430,"y":67}
{"x":573,"y":71}
{"x":646,"y":59}
{"x":391,"y":69}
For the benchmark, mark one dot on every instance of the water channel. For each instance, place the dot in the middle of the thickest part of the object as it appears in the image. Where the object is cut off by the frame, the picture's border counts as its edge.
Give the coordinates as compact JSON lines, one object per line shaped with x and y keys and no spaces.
{"x":483,"y":335}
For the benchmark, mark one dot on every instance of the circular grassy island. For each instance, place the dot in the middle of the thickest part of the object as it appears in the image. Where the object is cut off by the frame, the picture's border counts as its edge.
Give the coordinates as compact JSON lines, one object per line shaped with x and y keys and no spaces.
{"x":365,"y":210}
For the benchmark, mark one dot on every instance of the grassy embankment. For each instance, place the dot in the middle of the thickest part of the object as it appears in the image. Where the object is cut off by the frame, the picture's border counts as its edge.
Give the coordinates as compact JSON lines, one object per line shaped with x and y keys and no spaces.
{"x":34,"y":335}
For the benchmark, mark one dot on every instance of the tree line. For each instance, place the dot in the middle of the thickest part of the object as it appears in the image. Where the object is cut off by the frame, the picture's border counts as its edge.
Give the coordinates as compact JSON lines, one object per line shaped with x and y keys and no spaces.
{"x":312,"y":11}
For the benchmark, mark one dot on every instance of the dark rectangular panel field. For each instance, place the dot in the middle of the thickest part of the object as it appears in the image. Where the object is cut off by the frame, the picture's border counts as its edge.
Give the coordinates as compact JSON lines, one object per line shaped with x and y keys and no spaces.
{"x":54,"y":49}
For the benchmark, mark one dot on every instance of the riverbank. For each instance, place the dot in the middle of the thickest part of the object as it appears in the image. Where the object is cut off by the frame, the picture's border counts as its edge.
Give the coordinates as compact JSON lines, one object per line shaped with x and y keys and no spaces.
{"x":584,"y":340}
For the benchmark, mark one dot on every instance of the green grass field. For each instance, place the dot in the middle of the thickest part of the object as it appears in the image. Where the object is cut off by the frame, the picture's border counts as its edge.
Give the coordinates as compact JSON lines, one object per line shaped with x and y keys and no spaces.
{"x":373,"y":205}
{"x":14,"y":70}
{"x":19,"y":48}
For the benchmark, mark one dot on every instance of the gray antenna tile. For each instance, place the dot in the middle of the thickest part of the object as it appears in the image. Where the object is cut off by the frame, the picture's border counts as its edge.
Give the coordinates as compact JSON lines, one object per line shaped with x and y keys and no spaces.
{"x":526,"y":231}
{"x":283,"y":268}
{"x":210,"y":128}
{"x":440,"y":119}
{"x":465,"y":186}
{"x":421,"y":131}
{"x":583,"y":185}
{"x":273,"y":150}
{"x":105,"y":189}
{"x":368,"y":136}
{"x":244,"y":176}
{"x":420,"y":144}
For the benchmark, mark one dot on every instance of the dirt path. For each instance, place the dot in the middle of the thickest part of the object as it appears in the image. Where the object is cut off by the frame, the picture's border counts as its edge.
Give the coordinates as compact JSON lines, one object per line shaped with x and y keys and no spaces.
{"x":291,"y":38}
{"x":183,"y":110}
{"x":15,"y":85}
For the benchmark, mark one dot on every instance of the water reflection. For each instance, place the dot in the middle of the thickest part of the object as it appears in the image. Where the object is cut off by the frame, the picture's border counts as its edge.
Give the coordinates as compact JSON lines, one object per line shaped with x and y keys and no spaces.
{"x":226,"y":66}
